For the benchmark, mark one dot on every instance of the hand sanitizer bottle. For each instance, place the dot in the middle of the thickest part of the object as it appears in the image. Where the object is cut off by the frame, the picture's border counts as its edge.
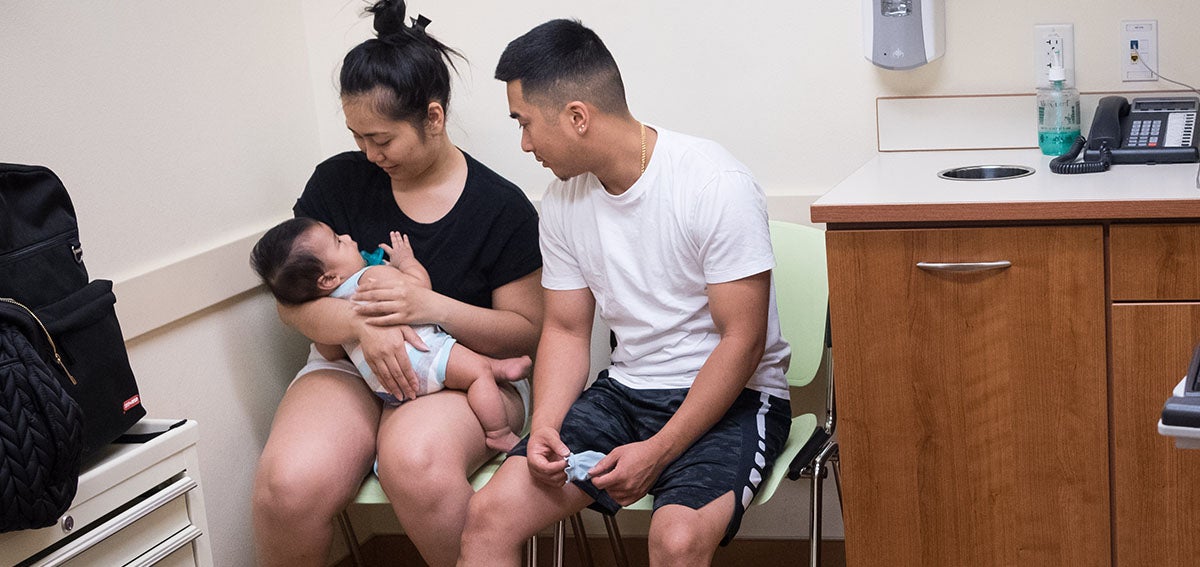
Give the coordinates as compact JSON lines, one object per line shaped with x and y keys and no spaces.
{"x":1058,"y":112}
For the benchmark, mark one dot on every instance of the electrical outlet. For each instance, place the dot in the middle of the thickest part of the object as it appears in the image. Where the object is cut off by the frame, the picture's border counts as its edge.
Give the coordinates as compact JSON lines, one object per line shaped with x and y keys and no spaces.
{"x":1049,"y":37}
{"x":1139,"y":50}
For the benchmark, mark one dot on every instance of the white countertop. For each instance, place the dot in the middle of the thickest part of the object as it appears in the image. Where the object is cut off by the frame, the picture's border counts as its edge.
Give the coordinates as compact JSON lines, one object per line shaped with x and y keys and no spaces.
{"x":904,"y":187}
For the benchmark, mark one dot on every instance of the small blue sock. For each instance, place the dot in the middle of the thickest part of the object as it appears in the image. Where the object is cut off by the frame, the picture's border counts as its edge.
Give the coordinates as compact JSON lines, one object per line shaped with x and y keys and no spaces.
{"x":578,"y":464}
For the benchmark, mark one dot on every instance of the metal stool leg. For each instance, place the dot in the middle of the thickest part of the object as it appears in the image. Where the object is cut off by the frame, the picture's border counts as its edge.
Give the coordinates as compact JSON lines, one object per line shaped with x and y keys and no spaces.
{"x":835,"y":463}
{"x":615,"y":541}
{"x":343,"y":520}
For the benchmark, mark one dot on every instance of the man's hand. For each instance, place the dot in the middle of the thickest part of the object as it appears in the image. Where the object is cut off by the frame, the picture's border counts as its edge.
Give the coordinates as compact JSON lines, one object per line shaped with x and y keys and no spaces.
{"x":384,"y":350}
{"x":547,"y":457}
{"x":628,"y":472}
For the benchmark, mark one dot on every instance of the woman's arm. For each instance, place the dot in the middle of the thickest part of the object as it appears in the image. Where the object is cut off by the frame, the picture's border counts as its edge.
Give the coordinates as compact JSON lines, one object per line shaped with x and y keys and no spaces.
{"x":333,"y":321}
{"x":510,"y":328}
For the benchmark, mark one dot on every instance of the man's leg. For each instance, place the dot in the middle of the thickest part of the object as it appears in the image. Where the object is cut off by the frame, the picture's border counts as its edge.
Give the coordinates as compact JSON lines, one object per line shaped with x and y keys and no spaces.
{"x":682,"y":536}
{"x":510,"y":509}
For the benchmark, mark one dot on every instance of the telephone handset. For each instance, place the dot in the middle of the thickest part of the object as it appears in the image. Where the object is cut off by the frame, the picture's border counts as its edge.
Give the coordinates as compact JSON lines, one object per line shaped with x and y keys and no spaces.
{"x":1148,"y":130}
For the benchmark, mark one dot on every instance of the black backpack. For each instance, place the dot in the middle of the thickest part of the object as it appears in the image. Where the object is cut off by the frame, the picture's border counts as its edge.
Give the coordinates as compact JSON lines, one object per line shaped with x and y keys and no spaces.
{"x":41,"y":426}
{"x":41,"y":268}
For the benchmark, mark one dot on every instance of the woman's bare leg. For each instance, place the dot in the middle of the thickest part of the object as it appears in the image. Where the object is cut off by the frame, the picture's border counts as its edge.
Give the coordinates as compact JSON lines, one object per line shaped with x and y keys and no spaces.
{"x":427,"y":448}
{"x":321,"y":446}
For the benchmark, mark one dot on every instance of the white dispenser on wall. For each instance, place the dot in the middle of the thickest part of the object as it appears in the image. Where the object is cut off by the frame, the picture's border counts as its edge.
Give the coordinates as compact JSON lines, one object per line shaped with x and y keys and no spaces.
{"x":903,"y":34}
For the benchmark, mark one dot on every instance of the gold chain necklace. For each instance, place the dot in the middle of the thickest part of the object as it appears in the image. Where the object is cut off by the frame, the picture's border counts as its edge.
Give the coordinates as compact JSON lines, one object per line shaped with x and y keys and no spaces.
{"x":643,"y":146}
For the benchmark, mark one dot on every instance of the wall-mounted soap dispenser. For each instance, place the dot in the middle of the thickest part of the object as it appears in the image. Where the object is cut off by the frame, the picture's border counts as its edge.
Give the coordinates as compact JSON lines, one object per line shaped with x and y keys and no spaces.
{"x":903,"y":34}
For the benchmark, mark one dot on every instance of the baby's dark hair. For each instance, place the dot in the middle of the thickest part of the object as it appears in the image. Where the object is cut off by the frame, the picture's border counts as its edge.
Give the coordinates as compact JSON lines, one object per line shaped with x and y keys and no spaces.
{"x":288,"y":270}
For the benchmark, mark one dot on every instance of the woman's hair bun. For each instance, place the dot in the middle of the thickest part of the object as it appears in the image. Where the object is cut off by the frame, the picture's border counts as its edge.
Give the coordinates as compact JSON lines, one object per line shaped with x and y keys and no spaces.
{"x":389,"y":17}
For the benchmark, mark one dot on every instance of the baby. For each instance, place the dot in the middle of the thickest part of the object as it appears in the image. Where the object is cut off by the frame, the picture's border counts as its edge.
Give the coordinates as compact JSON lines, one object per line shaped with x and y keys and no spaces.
{"x":302,"y":259}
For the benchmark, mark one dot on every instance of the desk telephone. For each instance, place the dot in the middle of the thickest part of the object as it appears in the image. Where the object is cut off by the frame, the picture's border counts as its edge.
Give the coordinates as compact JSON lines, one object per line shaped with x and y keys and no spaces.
{"x":1148,"y":130}
{"x":1184,"y":410}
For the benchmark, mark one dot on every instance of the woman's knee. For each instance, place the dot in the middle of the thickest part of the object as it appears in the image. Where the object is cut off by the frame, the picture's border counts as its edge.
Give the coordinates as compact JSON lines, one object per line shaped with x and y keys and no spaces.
{"x":289,"y":490}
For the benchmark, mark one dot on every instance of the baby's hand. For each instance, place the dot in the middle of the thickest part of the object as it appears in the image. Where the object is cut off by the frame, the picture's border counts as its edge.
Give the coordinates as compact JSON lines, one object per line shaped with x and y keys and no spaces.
{"x":400,"y":251}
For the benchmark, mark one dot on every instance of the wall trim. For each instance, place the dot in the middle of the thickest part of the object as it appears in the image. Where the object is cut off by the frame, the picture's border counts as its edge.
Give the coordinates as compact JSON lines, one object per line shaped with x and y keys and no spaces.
{"x":161,"y":296}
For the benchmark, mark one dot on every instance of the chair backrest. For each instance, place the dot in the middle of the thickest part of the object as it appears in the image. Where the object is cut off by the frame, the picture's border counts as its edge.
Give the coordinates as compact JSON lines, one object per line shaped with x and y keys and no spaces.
{"x":802,"y":295}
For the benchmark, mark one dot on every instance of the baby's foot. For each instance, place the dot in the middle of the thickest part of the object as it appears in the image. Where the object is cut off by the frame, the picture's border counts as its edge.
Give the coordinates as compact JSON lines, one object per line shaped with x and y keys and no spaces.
{"x":510,"y":369}
{"x":501,"y":440}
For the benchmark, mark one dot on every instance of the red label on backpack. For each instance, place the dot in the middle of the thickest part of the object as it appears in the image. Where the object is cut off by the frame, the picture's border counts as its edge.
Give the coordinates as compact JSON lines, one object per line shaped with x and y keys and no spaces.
{"x":132,"y":402}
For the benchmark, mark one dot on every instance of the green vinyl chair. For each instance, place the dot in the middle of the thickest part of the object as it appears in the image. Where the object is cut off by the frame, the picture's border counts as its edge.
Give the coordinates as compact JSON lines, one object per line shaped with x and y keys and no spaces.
{"x":802,"y":296}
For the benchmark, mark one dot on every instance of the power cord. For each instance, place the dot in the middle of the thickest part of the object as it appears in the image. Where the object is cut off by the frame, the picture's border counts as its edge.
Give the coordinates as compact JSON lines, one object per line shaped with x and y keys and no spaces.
{"x":1138,"y":57}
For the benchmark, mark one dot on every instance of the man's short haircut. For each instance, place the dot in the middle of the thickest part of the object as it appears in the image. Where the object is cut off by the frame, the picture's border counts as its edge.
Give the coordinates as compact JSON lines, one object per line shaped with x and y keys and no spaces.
{"x":561,"y":61}
{"x":289,"y":270}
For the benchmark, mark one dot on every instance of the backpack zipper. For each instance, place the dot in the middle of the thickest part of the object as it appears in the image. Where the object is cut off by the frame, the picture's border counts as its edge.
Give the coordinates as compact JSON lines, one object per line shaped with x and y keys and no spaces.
{"x":54,"y":348}
{"x":69,"y":237}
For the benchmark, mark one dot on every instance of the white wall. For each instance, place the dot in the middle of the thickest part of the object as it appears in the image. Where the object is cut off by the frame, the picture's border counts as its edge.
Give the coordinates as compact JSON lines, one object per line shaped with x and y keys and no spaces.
{"x":177,"y":127}
{"x":183,"y":127}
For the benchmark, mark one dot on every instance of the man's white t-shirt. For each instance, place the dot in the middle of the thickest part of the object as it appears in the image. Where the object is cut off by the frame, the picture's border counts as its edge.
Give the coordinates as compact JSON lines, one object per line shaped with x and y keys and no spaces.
{"x":695,"y":217}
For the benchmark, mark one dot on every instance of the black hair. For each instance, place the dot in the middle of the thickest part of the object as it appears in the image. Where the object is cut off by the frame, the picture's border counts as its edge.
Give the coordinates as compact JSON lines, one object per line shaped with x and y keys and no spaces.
{"x":560,"y":61}
{"x":289,"y":271}
{"x":404,"y":68}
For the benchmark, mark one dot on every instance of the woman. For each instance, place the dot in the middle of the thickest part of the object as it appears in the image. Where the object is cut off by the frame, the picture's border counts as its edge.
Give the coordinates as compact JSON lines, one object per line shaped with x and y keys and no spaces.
{"x":476,"y":234}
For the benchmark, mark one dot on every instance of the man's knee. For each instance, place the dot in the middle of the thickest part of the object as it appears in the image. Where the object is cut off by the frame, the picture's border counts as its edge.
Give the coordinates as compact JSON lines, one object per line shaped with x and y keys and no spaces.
{"x":682,"y":544}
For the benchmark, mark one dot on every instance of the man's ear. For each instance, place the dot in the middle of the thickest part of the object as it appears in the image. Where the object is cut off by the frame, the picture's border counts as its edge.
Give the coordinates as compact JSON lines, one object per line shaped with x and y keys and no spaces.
{"x":328,"y":281}
{"x":435,"y":118}
{"x":578,"y":115}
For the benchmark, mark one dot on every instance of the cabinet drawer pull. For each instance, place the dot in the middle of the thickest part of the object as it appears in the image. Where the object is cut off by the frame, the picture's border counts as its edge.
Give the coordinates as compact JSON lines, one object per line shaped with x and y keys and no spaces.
{"x":167,"y":547}
{"x":120,"y":521}
{"x":963,"y":266}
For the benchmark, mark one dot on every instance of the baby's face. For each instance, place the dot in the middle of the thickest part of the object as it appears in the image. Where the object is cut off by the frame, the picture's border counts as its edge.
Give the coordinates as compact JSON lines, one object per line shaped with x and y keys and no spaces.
{"x":339,"y":253}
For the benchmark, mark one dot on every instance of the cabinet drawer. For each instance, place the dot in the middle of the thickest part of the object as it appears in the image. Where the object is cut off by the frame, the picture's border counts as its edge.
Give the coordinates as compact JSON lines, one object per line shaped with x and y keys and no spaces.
{"x":146,"y":523}
{"x":147,"y":532}
{"x":1155,"y":262}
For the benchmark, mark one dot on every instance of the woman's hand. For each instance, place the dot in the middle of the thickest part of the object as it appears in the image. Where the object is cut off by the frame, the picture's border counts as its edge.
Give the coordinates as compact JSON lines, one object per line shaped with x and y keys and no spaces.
{"x":385,"y":352}
{"x":394,"y":301}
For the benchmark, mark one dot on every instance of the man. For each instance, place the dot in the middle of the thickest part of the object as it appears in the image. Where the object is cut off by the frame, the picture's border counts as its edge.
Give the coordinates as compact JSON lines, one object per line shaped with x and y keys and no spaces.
{"x":667,"y":234}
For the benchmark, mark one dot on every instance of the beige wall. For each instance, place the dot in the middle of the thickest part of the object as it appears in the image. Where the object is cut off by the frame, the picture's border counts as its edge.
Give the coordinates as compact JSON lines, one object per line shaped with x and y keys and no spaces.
{"x":183,"y":127}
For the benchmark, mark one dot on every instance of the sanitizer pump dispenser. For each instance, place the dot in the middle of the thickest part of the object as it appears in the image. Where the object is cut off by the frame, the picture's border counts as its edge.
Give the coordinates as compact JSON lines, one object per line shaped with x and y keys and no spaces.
{"x":903,"y":34}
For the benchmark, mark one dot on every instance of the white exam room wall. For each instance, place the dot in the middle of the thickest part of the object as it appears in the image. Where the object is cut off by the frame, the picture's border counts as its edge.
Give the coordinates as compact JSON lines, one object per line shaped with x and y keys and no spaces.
{"x":182,"y":129}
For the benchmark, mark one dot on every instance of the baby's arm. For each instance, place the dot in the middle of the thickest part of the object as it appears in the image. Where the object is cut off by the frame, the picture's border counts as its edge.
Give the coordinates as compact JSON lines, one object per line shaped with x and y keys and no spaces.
{"x":400,"y":256}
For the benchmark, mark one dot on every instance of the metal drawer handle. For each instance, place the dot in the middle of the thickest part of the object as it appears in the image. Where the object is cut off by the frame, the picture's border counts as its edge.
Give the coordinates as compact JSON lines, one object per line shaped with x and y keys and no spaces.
{"x":120,"y":521}
{"x":167,"y":547}
{"x":963,"y":266}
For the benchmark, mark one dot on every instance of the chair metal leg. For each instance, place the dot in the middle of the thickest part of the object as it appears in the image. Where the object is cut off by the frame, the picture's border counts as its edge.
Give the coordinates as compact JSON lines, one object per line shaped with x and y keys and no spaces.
{"x":818,"y":481}
{"x":343,"y":519}
{"x":581,"y":542}
{"x":615,"y":541}
{"x":560,"y":534}
{"x":835,"y":464}
{"x":814,"y":534}
{"x":531,"y":552}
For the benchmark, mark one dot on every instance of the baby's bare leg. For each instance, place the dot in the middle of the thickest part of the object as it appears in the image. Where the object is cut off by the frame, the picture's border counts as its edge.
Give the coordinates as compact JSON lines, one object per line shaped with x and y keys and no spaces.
{"x":476,"y":374}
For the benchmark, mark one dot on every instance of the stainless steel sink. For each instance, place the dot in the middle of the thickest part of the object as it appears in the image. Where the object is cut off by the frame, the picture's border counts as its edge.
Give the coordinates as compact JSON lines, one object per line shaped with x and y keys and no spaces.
{"x":985,"y":172}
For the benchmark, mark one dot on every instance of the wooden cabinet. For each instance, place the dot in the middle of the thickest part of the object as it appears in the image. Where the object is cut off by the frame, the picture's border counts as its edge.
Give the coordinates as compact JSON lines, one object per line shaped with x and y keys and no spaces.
{"x":1155,"y":325}
{"x":973,"y":405}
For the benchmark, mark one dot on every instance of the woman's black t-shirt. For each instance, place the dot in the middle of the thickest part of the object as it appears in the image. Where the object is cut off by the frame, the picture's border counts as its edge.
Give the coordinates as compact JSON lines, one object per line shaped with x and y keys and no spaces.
{"x":488,"y":239}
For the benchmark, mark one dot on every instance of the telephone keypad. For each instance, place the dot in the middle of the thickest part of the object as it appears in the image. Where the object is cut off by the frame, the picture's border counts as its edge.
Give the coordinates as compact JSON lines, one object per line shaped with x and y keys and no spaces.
{"x":1144,"y":133}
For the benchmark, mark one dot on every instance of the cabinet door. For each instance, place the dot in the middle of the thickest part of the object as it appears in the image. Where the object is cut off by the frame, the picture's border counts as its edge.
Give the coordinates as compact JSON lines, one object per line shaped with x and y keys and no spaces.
{"x":1156,"y":486}
{"x":972,"y":405}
